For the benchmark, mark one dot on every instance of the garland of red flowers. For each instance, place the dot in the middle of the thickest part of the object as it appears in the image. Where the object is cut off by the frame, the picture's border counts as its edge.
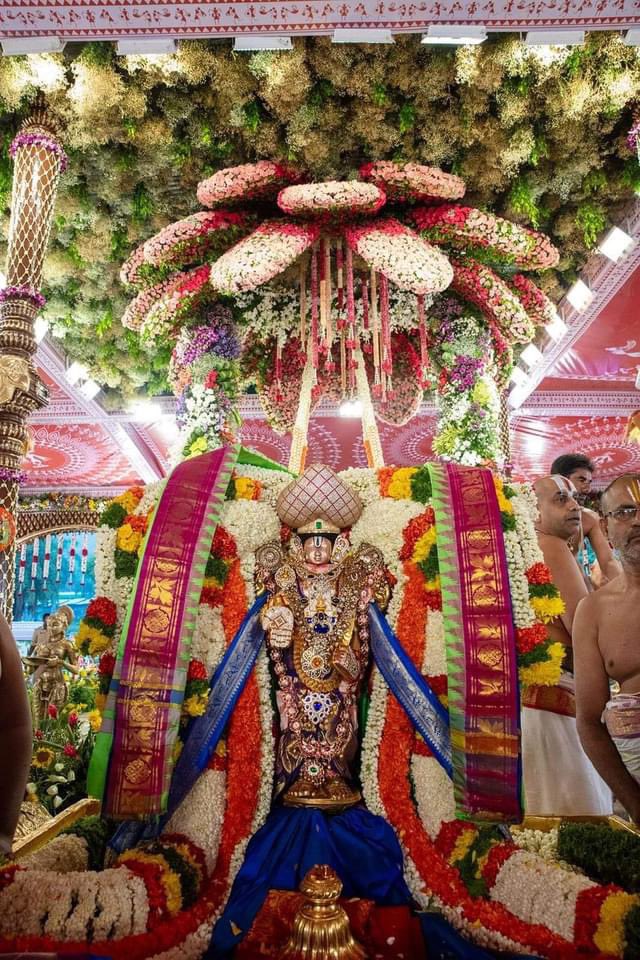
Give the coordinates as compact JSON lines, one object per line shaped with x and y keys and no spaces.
{"x":536,"y":303}
{"x":394,"y":763}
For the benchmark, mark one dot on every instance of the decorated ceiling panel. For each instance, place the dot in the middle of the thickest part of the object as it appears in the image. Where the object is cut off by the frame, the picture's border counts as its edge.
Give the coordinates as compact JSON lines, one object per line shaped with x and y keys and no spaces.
{"x":97,"y":19}
{"x":76,"y":455}
{"x":607,"y":355}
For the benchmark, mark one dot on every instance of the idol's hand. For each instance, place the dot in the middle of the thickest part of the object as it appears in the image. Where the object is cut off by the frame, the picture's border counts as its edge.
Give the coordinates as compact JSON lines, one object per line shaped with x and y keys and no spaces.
{"x":278,"y":622}
{"x":346,"y":663}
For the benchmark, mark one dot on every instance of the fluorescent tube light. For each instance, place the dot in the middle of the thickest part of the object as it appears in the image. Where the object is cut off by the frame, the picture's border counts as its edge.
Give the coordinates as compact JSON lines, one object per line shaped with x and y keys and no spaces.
{"x":449,"y":35}
{"x":519,"y":377}
{"x":247,"y":43}
{"x":531,"y":355}
{"x":362,"y":36}
{"x":556,"y":328}
{"x":615,"y":244}
{"x":143,"y":47}
{"x":90,"y":389}
{"x":77,"y":371}
{"x":554,"y":38}
{"x":20,"y":46}
{"x":579,"y":296}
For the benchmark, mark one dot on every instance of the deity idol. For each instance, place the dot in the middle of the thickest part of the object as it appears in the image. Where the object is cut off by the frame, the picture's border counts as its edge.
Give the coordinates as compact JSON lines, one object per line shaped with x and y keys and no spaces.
{"x":316,"y":622}
{"x":51,"y":655}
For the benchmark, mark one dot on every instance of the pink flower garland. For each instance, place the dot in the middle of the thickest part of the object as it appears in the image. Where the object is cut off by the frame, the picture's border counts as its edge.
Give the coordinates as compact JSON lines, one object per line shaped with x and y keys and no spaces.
{"x":467,"y":227}
{"x":536,"y":303}
{"x":491,"y":295}
{"x":249,"y":181}
{"x":332,"y":198}
{"x":167,"y":311}
{"x":393,"y":249}
{"x":413,"y":181}
{"x":23,"y":292}
{"x":262,"y":255}
{"x":196,"y":235}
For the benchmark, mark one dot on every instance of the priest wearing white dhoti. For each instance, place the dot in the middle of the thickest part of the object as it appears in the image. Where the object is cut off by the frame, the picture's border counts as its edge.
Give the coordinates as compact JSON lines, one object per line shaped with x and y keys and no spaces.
{"x":559,"y":778}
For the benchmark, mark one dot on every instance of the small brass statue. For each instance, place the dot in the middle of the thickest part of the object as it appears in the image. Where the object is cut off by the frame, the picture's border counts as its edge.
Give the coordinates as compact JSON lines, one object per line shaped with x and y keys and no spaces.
{"x":50,"y":657}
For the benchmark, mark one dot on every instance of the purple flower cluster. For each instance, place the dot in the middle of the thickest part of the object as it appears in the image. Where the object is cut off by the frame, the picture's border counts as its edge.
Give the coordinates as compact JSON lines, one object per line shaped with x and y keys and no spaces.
{"x":633,"y":136}
{"x":12,"y":476}
{"x":23,"y":292}
{"x":465,"y":371}
{"x":217,"y":336}
{"x":39,"y":140}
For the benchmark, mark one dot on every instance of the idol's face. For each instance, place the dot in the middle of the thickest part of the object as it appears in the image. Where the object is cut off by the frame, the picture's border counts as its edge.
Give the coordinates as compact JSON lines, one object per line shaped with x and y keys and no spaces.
{"x":317,"y":549}
{"x":623,"y":518}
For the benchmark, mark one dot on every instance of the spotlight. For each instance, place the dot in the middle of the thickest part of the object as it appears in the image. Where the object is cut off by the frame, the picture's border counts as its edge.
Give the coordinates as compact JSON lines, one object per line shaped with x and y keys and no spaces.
{"x":556,"y":328}
{"x":452,"y":36}
{"x":517,"y":397}
{"x":616,"y":244}
{"x":248,"y":43}
{"x":531,"y":355}
{"x":146,"y":411}
{"x":632,"y":37}
{"x":77,"y":371}
{"x":554,"y":38}
{"x":579,"y":296}
{"x":40,"y":328}
{"x":362,"y":36}
{"x":90,"y":389}
{"x":19,"y":46}
{"x":145,"y":48}
{"x":519,"y":377}
{"x":638,"y":379}
{"x":350,"y":409}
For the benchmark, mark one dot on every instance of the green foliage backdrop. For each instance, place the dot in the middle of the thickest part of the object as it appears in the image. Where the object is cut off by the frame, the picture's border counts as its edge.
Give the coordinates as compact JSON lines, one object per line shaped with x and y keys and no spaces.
{"x":539,"y":138}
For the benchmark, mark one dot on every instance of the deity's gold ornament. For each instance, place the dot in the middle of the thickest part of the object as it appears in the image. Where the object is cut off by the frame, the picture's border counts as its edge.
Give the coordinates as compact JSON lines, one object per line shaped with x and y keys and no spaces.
{"x":316,"y":621}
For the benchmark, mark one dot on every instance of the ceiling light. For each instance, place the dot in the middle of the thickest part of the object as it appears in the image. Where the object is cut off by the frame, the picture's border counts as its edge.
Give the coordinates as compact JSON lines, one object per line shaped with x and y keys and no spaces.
{"x":638,"y":379}
{"x":531,"y":355}
{"x":579,"y":296}
{"x":554,"y":38}
{"x":146,"y":411}
{"x":632,"y":37}
{"x":139,"y":47}
{"x":446,"y":35}
{"x":40,"y":328}
{"x":556,"y":328}
{"x":362,"y":36}
{"x":22,"y":45}
{"x":350,"y":408}
{"x":76,"y":372}
{"x":519,"y":377}
{"x":517,"y":397}
{"x":90,"y":389}
{"x":616,"y":244}
{"x":3,"y":281}
{"x":259,"y":42}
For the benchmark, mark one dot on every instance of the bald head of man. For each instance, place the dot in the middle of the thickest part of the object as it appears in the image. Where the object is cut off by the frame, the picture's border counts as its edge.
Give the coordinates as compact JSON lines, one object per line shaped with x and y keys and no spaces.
{"x":558,"y":509}
{"x":621,"y":507}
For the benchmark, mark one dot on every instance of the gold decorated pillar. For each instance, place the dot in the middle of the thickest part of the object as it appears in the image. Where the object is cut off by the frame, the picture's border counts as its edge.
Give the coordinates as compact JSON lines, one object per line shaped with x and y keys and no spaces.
{"x":38,"y":162}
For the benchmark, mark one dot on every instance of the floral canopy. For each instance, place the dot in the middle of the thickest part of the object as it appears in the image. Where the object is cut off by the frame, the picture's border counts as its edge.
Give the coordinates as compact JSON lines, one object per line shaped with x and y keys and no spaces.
{"x":335,"y":268}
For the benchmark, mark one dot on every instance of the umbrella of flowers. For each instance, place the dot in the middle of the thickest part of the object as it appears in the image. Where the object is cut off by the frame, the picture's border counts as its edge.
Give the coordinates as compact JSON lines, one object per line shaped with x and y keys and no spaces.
{"x":341,"y":244}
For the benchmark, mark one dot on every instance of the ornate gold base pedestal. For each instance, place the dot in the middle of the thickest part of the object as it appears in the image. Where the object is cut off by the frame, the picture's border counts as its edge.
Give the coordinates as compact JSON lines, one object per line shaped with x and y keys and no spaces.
{"x":321,"y":927}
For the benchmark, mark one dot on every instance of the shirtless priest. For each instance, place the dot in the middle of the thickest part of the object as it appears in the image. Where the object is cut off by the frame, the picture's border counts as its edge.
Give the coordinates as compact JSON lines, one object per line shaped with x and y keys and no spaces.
{"x":606,"y":648}
{"x":558,"y":777}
